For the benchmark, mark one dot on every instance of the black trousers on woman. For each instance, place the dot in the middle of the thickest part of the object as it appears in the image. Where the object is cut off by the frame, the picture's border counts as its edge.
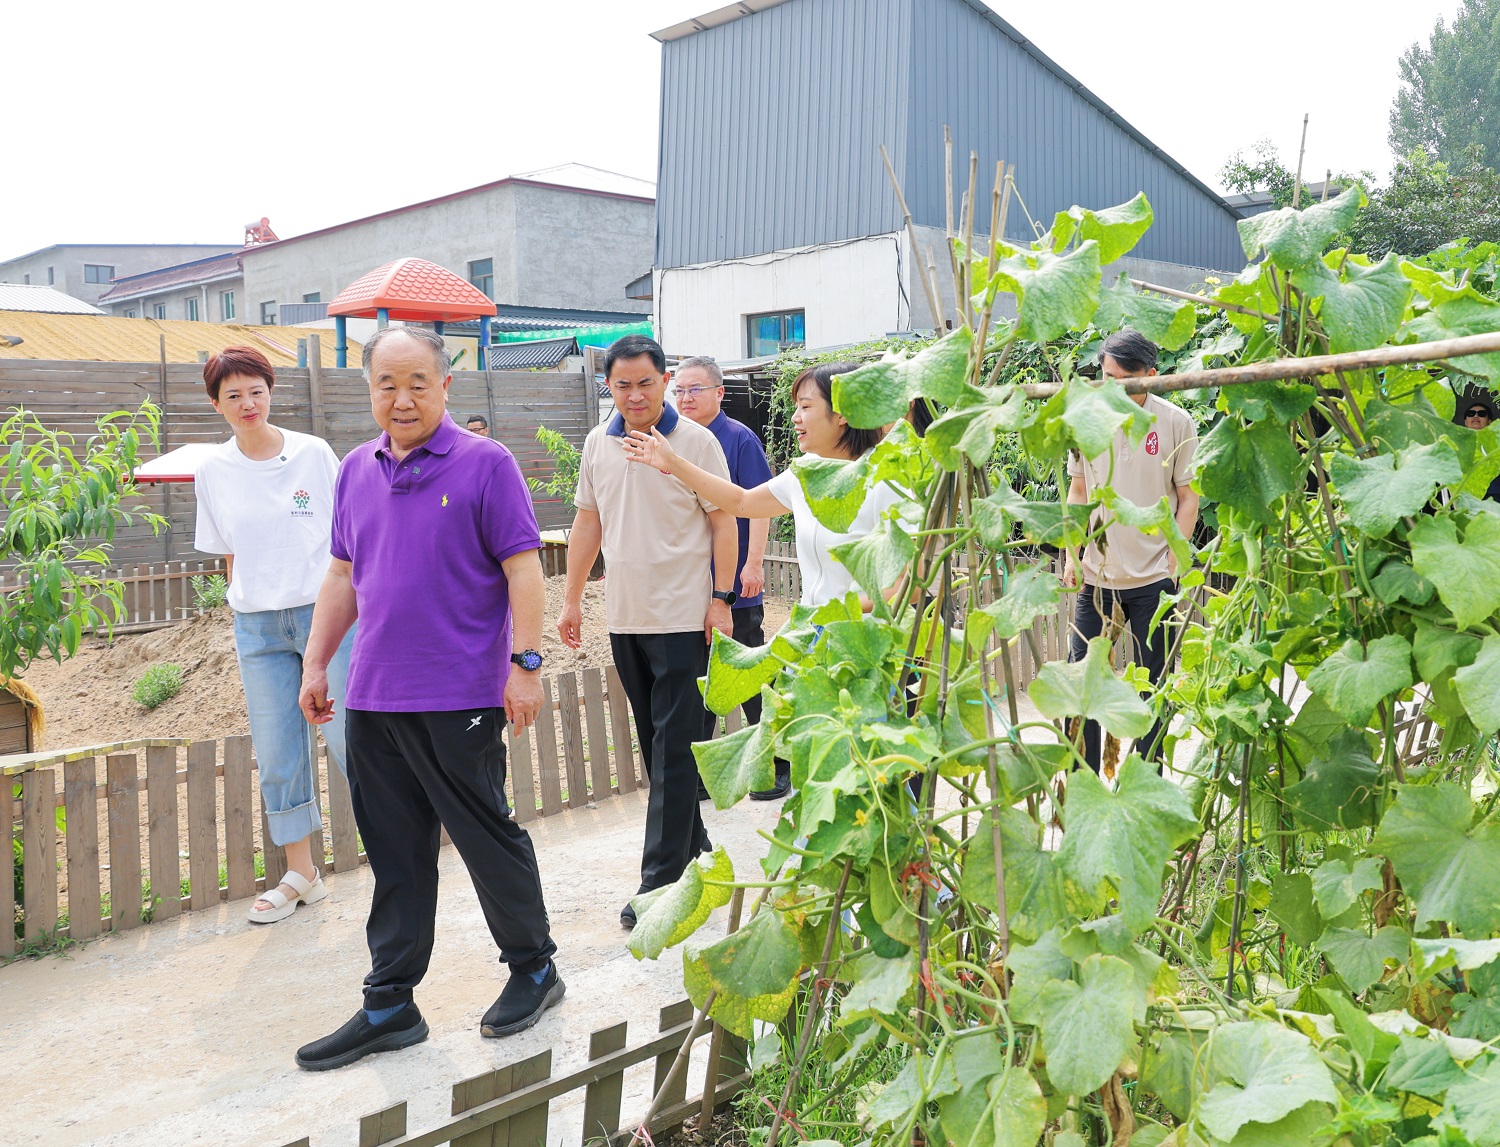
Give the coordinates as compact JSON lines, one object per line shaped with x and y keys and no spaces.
{"x":409,"y":775}
{"x":660,"y":673}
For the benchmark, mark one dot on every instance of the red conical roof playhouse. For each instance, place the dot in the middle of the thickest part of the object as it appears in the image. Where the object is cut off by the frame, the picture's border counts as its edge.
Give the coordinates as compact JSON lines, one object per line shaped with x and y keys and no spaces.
{"x":412,"y":290}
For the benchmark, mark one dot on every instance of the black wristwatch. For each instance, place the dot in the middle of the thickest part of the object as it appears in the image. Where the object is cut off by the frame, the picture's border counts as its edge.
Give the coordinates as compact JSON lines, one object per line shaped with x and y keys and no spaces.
{"x":727,"y":596}
{"x":528,"y":659}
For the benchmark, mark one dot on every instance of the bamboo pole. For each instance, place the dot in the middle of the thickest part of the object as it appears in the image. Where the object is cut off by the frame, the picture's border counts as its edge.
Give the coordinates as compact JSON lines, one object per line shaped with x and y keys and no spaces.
{"x":1311,"y":367}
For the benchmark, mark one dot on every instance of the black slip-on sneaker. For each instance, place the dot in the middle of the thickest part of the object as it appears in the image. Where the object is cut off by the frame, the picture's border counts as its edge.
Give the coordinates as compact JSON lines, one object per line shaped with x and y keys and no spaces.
{"x":522,"y":1003}
{"x":627,"y":917}
{"x":782,"y":786}
{"x":359,"y":1038}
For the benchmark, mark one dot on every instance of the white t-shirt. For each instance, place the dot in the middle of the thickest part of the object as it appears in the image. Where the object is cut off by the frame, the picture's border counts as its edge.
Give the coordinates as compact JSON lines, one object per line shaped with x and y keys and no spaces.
{"x":275,"y":517}
{"x":824,"y":578}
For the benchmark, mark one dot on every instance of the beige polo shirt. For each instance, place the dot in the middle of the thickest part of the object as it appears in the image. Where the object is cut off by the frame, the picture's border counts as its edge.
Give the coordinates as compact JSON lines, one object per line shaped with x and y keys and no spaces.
{"x":658,"y":545}
{"x":1142,"y":473}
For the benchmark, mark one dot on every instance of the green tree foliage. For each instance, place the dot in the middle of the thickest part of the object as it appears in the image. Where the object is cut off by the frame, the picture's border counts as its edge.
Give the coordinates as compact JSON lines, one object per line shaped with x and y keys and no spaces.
{"x":1259,"y":169}
{"x":63,"y":502}
{"x":563,"y":482}
{"x":1449,"y":101}
{"x":1429,"y":203}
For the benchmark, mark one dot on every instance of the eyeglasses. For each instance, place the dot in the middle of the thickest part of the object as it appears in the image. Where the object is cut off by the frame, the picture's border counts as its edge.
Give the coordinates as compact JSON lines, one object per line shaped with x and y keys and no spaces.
{"x":1477,"y":412}
{"x":692,"y":391}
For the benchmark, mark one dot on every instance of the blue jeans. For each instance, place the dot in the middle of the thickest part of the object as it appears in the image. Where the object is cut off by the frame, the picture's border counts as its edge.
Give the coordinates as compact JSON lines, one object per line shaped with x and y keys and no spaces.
{"x":270,"y":645}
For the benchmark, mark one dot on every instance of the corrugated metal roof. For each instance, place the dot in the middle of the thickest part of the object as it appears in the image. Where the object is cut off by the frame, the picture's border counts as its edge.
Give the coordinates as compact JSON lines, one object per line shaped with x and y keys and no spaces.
{"x":43,"y":300}
{"x":105,"y":338}
{"x":209,"y":270}
{"x":773,"y":117}
{"x":530,"y":356}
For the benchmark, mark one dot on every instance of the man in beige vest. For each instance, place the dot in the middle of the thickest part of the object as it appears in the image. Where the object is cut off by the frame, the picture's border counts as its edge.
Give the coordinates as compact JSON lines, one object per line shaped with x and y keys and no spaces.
{"x":1131,"y":570}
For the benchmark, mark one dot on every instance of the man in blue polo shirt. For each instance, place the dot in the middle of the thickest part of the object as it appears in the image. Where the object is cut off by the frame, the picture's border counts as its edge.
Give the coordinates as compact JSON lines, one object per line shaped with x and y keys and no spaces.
{"x":699,"y":386}
{"x":435,"y":550}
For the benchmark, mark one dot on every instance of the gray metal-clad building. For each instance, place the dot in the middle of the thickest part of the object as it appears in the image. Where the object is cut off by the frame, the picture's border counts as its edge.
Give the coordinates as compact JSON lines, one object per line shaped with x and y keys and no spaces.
{"x":771,"y":191}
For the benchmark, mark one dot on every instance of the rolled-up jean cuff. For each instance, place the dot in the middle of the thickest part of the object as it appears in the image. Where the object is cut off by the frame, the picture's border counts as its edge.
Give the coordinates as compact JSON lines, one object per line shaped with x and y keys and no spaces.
{"x":294,"y":824}
{"x":377,"y":998}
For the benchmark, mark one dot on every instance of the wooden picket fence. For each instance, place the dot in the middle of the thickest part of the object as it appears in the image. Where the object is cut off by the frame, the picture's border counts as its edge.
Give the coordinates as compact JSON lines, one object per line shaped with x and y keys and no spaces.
{"x":121,"y":832}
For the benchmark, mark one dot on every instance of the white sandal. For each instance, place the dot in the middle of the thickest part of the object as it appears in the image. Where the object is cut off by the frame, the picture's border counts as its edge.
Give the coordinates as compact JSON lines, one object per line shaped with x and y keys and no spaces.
{"x":307,"y":892}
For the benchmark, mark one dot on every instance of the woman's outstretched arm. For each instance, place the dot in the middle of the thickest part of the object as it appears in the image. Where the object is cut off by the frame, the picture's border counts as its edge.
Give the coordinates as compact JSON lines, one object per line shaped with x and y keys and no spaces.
{"x":653,"y":449}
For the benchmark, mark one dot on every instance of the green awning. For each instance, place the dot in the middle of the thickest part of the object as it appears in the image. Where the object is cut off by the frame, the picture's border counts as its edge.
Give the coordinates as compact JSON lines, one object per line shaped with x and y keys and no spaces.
{"x":600,"y":336}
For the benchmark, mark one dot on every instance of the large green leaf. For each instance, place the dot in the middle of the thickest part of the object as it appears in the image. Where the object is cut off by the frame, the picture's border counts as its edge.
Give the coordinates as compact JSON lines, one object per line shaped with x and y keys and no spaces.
{"x":1096,"y":411}
{"x":1364,"y":308}
{"x":1422,"y":1066}
{"x":1057,"y":524}
{"x":969,"y":432}
{"x":1166,"y":322}
{"x":737,"y":672}
{"x":1433,"y":956}
{"x":1035,"y":893}
{"x":1249,"y":467}
{"x":1054,"y":293}
{"x":1448,"y":868}
{"x":1264,"y":1072}
{"x":1338,"y":883}
{"x":878,"y":985}
{"x":880,"y":393}
{"x":1284,"y":400}
{"x":1292,"y":239}
{"x":1090,"y":689}
{"x":877,"y":560}
{"x":1476,"y":1012}
{"x":1167,"y":1068}
{"x":1293,"y":907}
{"x":1479,"y":686}
{"x":993,"y":1106}
{"x":677,"y":911}
{"x":755,"y":972}
{"x":739,"y":763}
{"x":1086,"y":1024}
{"x":1378,"y":492}
{"x":1354,"y":680}
{"x":1157,"y":519}
{"x":1466,"y":573}
{"x":835,"y":488}
{"x":1338,"y":789}
{"x":1030,"y":592}
{"x":1125,"y":836}
{"x":1116,"y":229}
{"x":1473,"y":1103}
{"x":1034,"y":967}
{"x":1468,"y":314}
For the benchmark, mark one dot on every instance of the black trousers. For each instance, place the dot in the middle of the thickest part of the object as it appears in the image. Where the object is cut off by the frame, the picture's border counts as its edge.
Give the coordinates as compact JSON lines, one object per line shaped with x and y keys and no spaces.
{"x":1149,"y":650}
{"x":749,"y":629}
{"x":410,"y":773}
{"x":660,"y":673}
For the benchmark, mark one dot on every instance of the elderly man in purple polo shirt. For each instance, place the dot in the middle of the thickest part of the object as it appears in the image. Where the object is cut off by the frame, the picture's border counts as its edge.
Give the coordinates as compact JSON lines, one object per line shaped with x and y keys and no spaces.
{"x":435,"y":550}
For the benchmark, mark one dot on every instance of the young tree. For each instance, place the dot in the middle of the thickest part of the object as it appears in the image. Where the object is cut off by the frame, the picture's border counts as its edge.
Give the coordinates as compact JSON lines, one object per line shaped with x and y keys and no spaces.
{"x":1450,"y":99}
{"x":61,"y":509}
{"x":1259,"y":170}
{"x":1429,"y":203}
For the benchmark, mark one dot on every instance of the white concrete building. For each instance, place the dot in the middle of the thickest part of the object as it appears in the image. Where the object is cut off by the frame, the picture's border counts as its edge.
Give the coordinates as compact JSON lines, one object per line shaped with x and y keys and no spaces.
{"x":86,"y":270}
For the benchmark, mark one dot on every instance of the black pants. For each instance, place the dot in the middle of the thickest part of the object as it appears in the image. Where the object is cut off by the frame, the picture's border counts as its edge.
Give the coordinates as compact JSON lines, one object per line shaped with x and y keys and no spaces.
{"x":660,"y":673}
{"x":749,"y":629}
{"x":409,"y":773}
{"x":1149,"y":650}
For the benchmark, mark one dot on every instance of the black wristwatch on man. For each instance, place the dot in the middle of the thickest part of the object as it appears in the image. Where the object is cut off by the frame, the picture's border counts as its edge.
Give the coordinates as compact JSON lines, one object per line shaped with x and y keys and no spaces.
{"x":528,"y":659}
{"x":727,"y":596}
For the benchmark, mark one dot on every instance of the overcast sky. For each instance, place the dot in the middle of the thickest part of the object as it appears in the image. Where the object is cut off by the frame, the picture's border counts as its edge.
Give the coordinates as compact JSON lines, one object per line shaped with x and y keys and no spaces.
{"x":179,"y":122}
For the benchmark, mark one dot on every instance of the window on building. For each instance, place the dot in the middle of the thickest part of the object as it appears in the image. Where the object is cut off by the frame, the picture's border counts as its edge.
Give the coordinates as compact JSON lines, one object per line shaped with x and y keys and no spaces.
{"x":482,"y":275}
{"x":51,"y":277}
{"x":191,"y":305}
{"x":26,"y":280}
{"x":268,"y":314}
{"x":772,"y":334}
{"x":315,"y":297}
{"x":158,"y":310}
{"x":130,"y":314}
{"x":226,"y":305}
{"x":97,"y":273}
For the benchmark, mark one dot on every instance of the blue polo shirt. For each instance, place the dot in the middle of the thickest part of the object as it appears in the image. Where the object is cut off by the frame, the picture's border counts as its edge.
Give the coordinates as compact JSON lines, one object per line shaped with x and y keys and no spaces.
{"x":748,"y":469}
{"x":426,"y":535}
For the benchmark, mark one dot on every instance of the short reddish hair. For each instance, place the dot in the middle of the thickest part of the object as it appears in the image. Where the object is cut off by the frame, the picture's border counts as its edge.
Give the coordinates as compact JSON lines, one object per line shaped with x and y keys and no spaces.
{"x":236,"y":360}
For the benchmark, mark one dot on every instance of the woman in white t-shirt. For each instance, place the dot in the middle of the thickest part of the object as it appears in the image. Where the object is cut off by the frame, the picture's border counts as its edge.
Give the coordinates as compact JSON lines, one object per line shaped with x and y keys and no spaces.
{"x":265,"y":500}
{"x":820,"y":432}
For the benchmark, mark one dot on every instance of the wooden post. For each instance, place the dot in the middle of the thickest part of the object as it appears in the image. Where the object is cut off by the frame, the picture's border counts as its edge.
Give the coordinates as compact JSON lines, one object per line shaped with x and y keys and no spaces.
{"x":724,"y":1047}
{"x":161,"y":806}
{"x":672,"y":1016}
{"x":383,"y":1126}
{"x":593,"y":710}
{"x":124,"y":806}
{"x":601,"y":1101}
{"x":619,"y":728}
{"x":80,"y":798}
{"x":315,"y":386}
{"x":341,"y":819}
{"x":239,"y":824}
{"x":166,"y":444}
{"x":39,"y":850}
{"x":546,"y":745}
{"x":203,"y":825}
{"x":572,"y":739}
{"x":522,"y":783}
{"x":7,"y":868}
{"x":524,"y":1128}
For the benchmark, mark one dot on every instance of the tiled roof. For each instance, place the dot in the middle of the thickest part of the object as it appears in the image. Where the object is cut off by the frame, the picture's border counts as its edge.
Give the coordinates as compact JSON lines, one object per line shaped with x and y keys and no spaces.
{"x":529,"y":356}
{"x":166,"y":278}
{"x":44,"y":300}
{"x":105,"y":338}
{"x":412,"y":290}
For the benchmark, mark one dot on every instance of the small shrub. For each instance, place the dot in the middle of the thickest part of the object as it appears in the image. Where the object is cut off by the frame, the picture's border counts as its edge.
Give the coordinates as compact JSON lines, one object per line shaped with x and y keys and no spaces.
{"x":157,"y":685}
{"x":209,"y":590}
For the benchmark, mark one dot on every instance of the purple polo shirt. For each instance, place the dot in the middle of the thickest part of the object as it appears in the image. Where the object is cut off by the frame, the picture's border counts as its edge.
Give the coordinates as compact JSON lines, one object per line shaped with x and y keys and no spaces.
{"x":748,"y":469}
{"x":426,"y":536}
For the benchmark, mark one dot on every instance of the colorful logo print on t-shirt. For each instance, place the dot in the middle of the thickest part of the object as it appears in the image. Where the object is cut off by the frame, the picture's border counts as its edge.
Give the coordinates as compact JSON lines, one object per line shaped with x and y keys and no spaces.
{"x":302,"y":499}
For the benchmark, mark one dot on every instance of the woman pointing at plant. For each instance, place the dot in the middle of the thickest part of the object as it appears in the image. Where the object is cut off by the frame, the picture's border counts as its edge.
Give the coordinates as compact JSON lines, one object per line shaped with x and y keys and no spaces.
{"x":265,"y":500}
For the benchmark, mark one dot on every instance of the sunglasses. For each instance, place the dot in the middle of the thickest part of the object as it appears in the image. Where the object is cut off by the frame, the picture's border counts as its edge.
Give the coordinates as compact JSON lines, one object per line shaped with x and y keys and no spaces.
{"x":1477,"y":412}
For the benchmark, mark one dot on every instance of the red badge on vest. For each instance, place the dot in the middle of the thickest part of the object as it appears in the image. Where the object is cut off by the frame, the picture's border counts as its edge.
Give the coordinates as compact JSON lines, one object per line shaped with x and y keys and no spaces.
{"x":1152,"y":445}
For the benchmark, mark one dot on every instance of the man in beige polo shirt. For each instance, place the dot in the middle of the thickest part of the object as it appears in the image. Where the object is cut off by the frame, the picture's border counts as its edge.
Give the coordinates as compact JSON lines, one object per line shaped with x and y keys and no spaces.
{"x":1131,"y":570}
{"x":670,"y":560}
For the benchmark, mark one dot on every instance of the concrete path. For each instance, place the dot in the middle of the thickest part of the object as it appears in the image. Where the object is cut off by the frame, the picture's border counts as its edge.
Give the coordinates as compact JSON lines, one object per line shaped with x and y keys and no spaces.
{"x":183,"y":1032}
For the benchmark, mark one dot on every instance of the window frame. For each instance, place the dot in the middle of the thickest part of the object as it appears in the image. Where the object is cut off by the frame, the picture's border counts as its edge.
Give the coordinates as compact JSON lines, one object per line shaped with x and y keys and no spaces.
{"x":190,"y":308}
{"x":784,"y":318}
{"x":226,"y":306}
{"x":158,"y":310}
{"x":92,"y":269}
{"x":271,"y":320}
{"x":483,"y":282}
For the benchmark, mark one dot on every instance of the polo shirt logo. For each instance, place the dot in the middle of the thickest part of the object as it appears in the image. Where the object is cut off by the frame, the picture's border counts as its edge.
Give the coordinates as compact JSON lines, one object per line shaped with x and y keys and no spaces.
{"x":1153,"y":444}
{"x":445,"y":499}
